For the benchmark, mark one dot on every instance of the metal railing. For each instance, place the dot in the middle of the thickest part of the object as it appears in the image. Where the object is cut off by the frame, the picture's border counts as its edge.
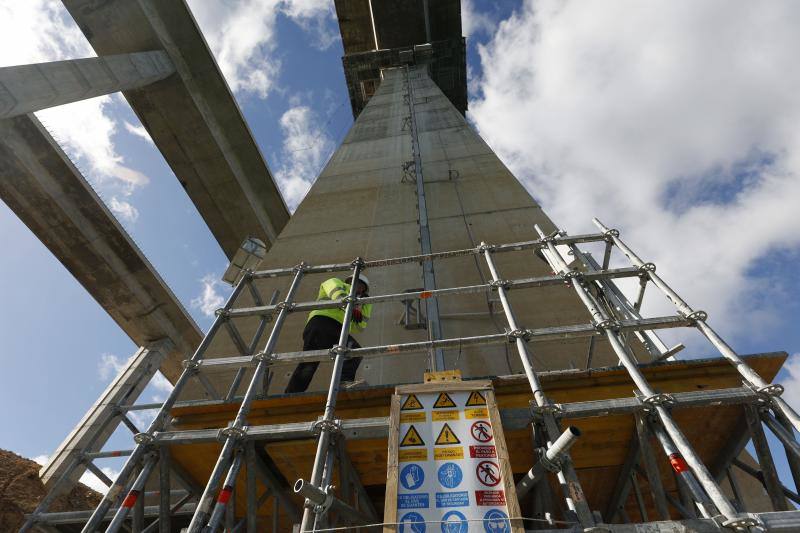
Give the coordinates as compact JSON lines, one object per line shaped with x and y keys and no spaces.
{"x":590,"y":283}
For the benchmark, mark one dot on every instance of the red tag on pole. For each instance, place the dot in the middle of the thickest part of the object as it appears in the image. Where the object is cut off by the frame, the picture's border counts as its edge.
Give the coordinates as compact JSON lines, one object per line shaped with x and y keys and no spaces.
{"x":678,"y":463}
{"x":225,"y":494}
{"x":130,"y":499}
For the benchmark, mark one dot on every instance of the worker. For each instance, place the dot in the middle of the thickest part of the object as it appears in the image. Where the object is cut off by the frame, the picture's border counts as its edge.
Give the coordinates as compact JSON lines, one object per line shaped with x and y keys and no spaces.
{"x":324,"y":326}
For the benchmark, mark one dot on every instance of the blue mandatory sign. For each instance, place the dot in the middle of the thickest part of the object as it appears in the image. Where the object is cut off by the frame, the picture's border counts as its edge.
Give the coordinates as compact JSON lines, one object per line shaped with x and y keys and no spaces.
{"x":412,"y":523}
{"x":496,"y":521}
{"x":450,"y":475}
{"x":412,"y":476}
{"x":454,"y":522}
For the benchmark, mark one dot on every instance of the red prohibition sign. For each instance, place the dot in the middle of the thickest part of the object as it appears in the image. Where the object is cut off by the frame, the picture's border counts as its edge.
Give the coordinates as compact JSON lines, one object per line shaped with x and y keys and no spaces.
{"x":488,"y":473}
{"x":481,"y":431}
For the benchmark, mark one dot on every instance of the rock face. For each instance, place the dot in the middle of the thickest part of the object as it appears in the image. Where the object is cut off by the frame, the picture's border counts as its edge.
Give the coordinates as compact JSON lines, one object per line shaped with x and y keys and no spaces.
{"x":21,"y":490}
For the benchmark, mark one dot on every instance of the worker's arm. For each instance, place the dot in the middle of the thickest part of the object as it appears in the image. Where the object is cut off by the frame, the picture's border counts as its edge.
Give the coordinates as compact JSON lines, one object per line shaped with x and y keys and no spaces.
{"x":366,"y":311}
{"x":334,"y":288}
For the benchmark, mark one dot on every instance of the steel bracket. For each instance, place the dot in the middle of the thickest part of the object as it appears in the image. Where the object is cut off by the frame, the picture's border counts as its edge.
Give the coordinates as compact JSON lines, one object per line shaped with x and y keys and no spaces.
{"x":338,"y":350}
{"x":143,"y":438}
{"x":697,"y":315}
{"x":553,"y":466}
{"x":744,"y":522}
{"x":660,"y":399}
{"x":232,"y":432}
{"x":500,"y":283}
{"x":330,"y":426}
{"x":190,"y":365}
{"x":262,"y":357}
{"x":765,"y":394}
{"x":608,"y":323}
{"x":523,"y":334}
{"x":289,"y":306}
{"x":540,"y":411}
{"x":647,"y":267}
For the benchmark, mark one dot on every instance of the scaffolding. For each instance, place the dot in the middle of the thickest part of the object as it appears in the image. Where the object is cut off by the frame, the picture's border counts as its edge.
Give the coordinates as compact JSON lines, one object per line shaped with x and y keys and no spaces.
{"x":703,"y":506}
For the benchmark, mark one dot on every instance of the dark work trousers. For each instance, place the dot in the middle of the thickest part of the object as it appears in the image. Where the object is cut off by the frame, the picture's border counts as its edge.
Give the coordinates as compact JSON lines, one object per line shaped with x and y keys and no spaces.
{"x":322,"y":333}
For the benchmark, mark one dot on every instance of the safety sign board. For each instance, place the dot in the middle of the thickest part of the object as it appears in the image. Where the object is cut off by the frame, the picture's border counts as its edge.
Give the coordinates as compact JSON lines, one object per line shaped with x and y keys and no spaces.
{"x":449,"y":475}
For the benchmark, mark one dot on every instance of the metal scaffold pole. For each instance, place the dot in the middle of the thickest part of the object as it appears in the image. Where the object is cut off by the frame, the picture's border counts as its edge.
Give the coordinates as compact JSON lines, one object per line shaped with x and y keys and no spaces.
{"x":328,"y":425}
{"x":144,"y":440}
{"x":576,"y":501}
{"x":770,"y":391}
{"x":237,"y":430}
{"x":657,"y":402}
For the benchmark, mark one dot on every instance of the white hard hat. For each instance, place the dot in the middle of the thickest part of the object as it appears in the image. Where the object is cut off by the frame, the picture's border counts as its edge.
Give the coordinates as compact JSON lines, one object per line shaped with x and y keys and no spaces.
{"x":361,"y":277}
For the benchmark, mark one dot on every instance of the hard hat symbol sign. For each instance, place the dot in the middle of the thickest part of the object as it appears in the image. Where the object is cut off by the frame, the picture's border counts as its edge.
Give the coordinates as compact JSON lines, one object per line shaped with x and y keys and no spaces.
{"x":481,"y":431}
{"x":488,"y":473}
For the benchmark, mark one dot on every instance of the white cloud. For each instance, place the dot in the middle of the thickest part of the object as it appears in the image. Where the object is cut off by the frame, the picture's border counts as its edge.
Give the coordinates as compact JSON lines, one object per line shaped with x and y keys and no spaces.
{"x":124,"y":210}
{"x":242,"y":36}
{"x":210,"y":299}
{"x":675,"y":122}
{"x":305,"y":145}
{"x":109,"y":366}
{"x":138,"y":131}
{"x":473,"y":21}
{"x":88,"y":479}
{"x":41,"y":30}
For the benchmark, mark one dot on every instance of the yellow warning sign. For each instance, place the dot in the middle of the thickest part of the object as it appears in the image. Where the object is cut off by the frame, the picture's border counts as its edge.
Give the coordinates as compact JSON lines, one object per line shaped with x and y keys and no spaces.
{"x":406,"y":418}
{"x":412,"y":438}
{"x":445,"y":454}
{"x":414,"y":454}
{"x":475,"y":412}
{"x":411,"y":403}
{"x":475,"y":398}
{"x":446,"y":436}
{"x":443,"y":401}
{"x":444,"y":415}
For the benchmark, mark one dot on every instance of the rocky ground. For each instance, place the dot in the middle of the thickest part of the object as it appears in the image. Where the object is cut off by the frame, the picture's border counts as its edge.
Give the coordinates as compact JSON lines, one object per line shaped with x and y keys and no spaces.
{"x":21,"y":490}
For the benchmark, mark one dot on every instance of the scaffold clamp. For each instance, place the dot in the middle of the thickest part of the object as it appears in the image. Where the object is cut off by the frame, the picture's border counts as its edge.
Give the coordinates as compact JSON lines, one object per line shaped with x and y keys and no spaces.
{"x":551,"y":465}
{"x":232,"y":432}
{"x":611,"y":233}
{"x":540,"y":411}
{"x":660,"y":399}
{"x":513,"y":335}
{"x":338,"y":350}
{"x":221,"y":313}
{"x":329,"y":426}
{"x":143,"y":439}
{"x":289,"y":306}
{"x":766,"y":393}
{"x":190,"y":365}
{"x":500,"y":283}
{"x":608,"y":323}
{"x":697,"y":315}
{"x":744,"y":522}
{"x":262,"y":357}
{"x":646,"y":267}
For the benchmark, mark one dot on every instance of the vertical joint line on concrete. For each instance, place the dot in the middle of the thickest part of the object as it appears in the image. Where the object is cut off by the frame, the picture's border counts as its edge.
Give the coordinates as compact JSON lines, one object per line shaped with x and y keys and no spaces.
{"x":428,"y":273}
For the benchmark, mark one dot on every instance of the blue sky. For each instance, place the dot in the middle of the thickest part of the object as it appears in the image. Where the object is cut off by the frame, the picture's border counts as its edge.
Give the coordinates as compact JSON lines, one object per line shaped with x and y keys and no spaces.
{"x":676,"y":125}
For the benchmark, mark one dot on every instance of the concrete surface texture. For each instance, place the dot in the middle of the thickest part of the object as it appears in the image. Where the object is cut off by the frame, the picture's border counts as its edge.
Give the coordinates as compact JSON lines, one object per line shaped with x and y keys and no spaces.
{"x":191,"y":116}
{"x":28,"y":88}
{"x":361,"y":206}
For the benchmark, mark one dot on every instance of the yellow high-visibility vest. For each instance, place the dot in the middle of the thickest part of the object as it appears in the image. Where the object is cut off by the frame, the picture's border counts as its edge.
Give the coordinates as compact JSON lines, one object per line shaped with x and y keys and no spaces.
{"x":335,"y":289}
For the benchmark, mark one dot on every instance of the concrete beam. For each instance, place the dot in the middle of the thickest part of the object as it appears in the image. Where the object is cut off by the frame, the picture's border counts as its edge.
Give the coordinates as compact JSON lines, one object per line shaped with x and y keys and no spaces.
{"x":28,"y":88}
{"x":45,"y":190}
{"x":192,"y":117}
